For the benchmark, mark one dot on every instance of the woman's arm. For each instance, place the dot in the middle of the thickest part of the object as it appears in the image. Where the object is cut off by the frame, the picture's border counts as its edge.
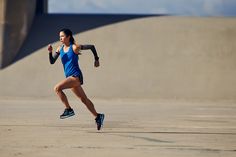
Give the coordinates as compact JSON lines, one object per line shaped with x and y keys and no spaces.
{"x":92,"y":48}
{"x":77,"y":48}
{"x":53,"y":56}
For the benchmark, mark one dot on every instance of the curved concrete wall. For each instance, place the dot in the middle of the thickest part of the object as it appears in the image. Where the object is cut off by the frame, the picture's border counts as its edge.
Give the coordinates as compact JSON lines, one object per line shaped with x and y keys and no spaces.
{"x":156,"y":58}
{"x":16,"y":19}
{"x":165,"y":57}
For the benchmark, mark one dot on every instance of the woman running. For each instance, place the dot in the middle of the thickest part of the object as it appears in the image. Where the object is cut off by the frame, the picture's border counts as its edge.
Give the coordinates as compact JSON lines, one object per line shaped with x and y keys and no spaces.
{"x":69,"y":52}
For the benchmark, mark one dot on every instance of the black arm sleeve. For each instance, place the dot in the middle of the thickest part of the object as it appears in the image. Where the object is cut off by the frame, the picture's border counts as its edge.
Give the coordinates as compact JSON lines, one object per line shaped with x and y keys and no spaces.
{"x":53,"y":57}
{"x":92,"y":48}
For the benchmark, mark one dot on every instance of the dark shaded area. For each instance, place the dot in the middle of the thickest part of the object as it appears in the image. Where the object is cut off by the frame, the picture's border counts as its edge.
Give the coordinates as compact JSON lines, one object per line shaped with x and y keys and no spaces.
{"x":41,"y":7}
{"x":46,"y":27}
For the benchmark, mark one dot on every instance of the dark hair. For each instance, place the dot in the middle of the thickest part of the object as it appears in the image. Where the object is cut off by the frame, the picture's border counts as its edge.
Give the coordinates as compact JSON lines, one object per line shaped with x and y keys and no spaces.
{"x":68,"y":32}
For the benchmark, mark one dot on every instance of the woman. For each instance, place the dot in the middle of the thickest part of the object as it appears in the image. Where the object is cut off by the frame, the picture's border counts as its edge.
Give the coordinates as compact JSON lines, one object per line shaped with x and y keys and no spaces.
{"x":69,"y":52}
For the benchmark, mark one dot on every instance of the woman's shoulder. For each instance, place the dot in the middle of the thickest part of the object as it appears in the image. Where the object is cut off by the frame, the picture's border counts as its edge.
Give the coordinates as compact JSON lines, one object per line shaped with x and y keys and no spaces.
{"x":76,"y":48}
{"x":59,"y":48}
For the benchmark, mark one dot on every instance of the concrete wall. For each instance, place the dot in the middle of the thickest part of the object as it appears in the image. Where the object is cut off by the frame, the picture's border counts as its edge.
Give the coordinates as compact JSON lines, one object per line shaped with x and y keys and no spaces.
{"x":165,"y":57}
{"x":16,"y":18}
{"x":2,"y":15}
{"x":156,"y":58}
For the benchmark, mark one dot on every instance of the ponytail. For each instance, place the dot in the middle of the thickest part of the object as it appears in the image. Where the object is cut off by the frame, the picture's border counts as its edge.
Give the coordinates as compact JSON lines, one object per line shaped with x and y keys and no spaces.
{"x":72,"y":40}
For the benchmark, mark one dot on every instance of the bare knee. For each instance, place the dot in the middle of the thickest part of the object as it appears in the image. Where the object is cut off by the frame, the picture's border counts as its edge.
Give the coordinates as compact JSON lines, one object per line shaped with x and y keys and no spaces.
{"x":57,"y":89}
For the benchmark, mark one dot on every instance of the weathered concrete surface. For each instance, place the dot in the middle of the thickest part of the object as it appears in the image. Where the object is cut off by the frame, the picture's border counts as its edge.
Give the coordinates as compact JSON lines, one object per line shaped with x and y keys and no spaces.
{"x":15,"y":20}
{"x":31,"y":127}
{"x":156,"y":58}
{"x":146,"y":59}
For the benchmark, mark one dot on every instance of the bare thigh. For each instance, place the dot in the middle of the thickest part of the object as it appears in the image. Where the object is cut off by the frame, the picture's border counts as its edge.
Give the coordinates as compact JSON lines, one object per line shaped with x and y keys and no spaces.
{"x":69,"y":82}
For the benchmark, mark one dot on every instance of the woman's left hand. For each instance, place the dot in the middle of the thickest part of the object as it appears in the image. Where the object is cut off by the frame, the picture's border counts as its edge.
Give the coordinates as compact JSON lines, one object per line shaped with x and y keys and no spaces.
{"x":96,"y":63}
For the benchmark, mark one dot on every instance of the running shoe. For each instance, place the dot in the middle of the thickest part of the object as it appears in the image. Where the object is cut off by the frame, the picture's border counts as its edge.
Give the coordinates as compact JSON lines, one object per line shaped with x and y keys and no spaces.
{"x":68,"y":112}
{"x":99,"y":120}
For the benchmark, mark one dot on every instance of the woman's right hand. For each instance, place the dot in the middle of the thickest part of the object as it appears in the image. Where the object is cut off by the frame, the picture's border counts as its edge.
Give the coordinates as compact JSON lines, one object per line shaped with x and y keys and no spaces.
{"x":50,"y":48}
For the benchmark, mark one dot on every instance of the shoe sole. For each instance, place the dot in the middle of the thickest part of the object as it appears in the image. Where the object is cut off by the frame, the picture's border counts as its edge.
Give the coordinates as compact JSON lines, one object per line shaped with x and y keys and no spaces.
{"x":70,"y":115}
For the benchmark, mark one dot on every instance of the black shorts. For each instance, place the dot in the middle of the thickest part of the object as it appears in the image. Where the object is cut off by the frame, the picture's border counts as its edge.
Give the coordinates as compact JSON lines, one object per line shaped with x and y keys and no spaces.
{"x":80,"y":78}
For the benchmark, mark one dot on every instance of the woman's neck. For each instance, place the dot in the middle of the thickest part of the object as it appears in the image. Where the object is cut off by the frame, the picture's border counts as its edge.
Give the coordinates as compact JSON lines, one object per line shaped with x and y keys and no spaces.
{"x":67,"y":44}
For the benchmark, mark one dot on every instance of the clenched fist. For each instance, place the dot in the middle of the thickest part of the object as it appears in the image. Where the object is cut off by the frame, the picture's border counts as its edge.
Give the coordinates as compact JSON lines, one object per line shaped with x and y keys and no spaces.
{"x":50,"y":48}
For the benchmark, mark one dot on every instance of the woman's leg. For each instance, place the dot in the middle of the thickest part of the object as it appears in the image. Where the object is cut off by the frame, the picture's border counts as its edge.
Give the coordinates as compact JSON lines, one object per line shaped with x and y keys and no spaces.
{"x":69,"y":82}
{"x":78,"y":90}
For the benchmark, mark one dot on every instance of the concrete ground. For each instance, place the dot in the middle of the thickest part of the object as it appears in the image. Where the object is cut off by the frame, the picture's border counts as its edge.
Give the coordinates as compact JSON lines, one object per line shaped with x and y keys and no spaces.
{"x":32,"y":128}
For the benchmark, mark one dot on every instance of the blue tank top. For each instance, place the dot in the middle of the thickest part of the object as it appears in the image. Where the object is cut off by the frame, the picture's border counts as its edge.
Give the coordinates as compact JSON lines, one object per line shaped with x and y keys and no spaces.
{"x":70,"y":62}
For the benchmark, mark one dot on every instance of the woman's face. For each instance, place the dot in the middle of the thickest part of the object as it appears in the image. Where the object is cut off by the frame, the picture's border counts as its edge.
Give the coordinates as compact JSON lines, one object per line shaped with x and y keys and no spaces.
{"x":63,"y":38}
